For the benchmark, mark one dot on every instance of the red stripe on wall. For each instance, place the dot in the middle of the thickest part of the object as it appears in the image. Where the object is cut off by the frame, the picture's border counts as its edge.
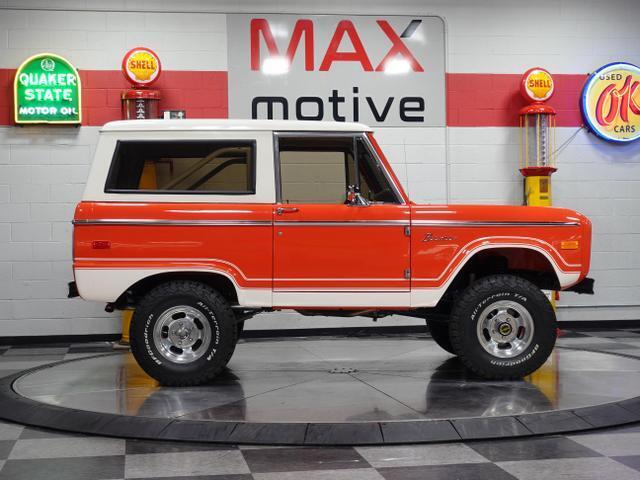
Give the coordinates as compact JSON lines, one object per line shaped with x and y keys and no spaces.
{"x":473,"y":99}
{"x":493,"y":100}
{"x":6,"y":95}
{"x":201,"y":94}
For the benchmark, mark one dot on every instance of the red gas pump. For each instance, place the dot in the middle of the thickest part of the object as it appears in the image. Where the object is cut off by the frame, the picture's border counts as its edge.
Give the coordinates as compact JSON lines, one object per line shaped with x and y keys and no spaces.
{"x":537,"y":125}
{"x":141,"y":66}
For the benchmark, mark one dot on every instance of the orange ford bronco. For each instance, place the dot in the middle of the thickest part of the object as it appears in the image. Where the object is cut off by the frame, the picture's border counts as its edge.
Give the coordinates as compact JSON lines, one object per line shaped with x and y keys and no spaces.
{"x":200,"y":224}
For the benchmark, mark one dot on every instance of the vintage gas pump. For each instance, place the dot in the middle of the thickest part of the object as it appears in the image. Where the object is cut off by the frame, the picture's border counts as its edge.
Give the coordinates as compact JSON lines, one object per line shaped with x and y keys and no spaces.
{"x":141,"y":67}
{"x":537,"y":122}
{"x":537,"y":125}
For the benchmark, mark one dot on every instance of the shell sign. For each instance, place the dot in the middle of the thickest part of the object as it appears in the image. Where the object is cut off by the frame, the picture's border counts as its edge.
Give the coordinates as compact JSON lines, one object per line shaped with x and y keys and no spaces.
{"x":141,"y":66}
{"x":537,"y":85}
{"x":611,"y":102}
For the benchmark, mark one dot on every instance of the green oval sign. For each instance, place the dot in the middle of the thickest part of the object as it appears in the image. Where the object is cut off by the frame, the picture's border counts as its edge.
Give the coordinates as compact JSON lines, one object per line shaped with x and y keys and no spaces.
{"x":47,"y":90}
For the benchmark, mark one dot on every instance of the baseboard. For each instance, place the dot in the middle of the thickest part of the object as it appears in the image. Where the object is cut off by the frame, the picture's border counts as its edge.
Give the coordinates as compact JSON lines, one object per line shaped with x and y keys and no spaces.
{"x":599,"y":324}
{"x":306,"y":332}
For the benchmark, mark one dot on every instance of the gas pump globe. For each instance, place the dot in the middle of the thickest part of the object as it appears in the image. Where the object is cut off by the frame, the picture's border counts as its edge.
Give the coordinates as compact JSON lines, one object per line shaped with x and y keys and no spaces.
{"x":537,"y":158}
{"x":537,"y":127}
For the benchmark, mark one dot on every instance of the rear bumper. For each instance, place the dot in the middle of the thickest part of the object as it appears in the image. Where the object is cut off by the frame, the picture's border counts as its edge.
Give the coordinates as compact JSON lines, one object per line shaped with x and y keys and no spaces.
{"x":584,"y":286}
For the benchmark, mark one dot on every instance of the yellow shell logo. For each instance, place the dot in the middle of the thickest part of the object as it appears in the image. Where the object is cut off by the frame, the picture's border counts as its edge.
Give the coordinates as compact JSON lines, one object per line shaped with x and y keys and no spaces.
{"x":539,"y":85}
{"x":141,"y":66}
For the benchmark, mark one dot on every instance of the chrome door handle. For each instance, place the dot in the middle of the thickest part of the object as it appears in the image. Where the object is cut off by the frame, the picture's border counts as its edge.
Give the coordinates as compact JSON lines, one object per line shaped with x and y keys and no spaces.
{"x":281,"y":210}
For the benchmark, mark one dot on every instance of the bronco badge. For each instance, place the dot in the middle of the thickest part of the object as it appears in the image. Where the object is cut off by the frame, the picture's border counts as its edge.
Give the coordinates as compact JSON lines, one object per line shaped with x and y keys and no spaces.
{"x":430,"y":237}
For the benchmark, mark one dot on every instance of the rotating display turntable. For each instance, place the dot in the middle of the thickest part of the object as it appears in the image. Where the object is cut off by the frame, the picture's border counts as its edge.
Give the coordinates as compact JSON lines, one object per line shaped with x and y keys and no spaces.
{"x":329,"y":391}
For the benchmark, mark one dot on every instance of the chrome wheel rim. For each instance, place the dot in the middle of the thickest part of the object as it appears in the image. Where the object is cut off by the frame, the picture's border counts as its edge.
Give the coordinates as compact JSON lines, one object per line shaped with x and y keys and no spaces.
{"x":505,"y":329}
{"x":182,"y":334}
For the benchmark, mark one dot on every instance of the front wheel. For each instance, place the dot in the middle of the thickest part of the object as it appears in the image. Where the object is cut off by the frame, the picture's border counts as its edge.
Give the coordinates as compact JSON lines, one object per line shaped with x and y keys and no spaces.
{"x":183,"y":333}
{"x":503,"y":327}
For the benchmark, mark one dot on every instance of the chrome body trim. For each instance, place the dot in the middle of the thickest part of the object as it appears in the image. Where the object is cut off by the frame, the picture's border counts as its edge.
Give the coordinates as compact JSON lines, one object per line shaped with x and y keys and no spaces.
{"x":173,"y":223}
{"x":481,"y":223}
{"x":312,"y":223}
{"x":347,"y":223}
{"x":234,"y":223}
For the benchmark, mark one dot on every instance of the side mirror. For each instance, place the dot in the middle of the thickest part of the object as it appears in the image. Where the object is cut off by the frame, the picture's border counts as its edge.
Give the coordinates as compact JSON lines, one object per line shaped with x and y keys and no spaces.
{"x":355,"y":198}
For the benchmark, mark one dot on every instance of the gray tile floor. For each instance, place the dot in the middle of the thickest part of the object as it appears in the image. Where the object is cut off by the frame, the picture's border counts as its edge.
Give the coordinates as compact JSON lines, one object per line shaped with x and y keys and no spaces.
{"x":33,"y":454}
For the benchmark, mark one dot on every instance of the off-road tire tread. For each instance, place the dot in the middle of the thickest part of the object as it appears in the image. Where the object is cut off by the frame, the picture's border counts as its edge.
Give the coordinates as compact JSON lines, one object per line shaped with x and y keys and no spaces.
{"x":203,"y":292}
{"x":469,"y":298}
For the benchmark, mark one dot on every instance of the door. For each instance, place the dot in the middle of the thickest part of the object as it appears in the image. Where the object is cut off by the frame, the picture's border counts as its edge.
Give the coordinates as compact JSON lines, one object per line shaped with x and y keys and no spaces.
{"x":341,"y":234}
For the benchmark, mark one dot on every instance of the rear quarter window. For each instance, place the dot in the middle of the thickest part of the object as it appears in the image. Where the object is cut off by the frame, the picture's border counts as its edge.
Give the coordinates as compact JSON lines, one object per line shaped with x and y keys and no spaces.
{"x":182,"y":167}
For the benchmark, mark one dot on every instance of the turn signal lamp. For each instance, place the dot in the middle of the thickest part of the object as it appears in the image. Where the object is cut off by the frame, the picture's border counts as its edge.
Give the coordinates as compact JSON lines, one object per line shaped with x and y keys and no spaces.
{"x":569,"y":245}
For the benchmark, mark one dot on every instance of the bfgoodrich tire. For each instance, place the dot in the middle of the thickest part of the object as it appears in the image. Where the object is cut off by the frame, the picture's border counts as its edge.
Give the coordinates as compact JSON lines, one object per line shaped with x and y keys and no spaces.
{"x":502,"y":327}
{"x":183,"y":333}
{"x":440,"y":333}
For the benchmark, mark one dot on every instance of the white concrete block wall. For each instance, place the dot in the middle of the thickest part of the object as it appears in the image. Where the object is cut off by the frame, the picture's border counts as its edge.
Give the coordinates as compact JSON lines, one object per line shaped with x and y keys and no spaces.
{"x":42,"y":170}
{"x":98,"y":40}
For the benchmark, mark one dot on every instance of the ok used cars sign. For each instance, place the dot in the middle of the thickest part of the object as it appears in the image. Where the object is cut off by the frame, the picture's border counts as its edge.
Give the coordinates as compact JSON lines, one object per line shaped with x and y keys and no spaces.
{"x":377,"y":70}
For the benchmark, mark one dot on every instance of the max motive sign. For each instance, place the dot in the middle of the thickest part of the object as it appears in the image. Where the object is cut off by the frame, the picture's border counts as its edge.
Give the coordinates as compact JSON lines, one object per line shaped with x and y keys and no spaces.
{"x":46,"y":89}
{"x":377,"y":70}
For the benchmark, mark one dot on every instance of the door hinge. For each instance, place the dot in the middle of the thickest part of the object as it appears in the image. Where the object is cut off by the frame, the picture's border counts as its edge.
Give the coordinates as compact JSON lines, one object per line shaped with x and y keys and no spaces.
{"x":407,"y":273}
{"x":407,"y":231}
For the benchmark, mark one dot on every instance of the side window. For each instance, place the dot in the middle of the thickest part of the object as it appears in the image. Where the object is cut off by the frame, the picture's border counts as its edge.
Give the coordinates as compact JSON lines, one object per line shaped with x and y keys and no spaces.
{"x":313,"y":169}
{"x":318,"y":169}
{"x":189,"y":166}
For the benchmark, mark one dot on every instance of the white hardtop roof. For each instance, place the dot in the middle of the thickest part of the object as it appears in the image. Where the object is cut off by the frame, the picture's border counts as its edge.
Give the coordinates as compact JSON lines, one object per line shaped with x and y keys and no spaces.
{"x":236,"y":125}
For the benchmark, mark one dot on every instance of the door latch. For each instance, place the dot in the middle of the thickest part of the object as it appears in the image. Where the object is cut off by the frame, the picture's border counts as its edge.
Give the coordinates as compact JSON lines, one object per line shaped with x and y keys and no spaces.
{"x":281,"y":210}
{"x":407,"y":273}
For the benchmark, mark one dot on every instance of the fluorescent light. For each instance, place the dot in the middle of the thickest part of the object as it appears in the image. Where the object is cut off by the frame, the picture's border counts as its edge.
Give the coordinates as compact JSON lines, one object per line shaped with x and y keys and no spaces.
{"x":275,"y":66}
{"x":397,"y":66}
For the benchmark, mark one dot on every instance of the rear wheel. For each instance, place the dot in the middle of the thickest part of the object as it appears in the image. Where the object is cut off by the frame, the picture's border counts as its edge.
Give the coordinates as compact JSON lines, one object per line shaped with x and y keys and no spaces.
{"x":183,"y":333}
{"x":503,"y":327}
{"x":440,"y":333}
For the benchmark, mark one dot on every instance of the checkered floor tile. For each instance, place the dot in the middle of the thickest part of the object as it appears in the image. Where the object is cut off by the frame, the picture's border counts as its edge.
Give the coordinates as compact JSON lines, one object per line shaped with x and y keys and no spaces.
{"x":34,"y":454}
